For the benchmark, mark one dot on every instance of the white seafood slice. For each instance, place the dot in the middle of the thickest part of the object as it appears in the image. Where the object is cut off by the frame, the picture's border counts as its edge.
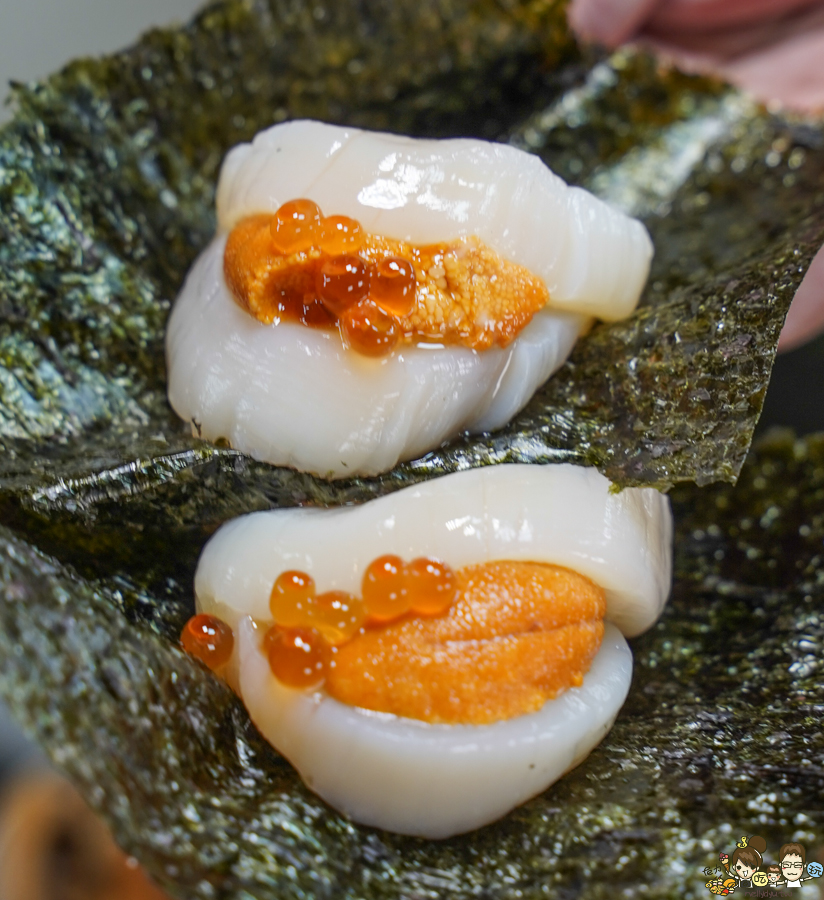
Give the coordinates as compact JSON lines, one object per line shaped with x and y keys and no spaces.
{"x":433,"y":781}
{"x":295,"y":396}
{"x":406,"y":775}
{"x":560,"y":514}
{"x":593,"y":258}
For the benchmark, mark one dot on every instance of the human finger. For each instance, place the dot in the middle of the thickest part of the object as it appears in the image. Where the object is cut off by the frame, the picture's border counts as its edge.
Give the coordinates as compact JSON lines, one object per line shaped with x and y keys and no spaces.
{"x":806,"y":316}
{"x":609,"y":22}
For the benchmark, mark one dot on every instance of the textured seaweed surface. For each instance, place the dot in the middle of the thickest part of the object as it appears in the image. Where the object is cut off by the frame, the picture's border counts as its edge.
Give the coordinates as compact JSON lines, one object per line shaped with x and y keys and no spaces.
{"x":721,"y":735}
{"x":106,"y":191}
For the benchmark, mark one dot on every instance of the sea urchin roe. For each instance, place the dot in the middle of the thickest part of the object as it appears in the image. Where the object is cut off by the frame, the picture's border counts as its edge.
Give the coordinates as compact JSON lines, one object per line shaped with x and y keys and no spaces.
{"x":297,"y":656}
{"x":282,"y":267}
{"x":517,"y":635}
{"x":209,"y":639}
{"x":482,"y":644}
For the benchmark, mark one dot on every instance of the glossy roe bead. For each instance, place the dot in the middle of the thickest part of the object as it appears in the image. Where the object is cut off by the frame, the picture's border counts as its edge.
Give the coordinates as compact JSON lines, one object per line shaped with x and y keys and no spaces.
{"x":367,"y":329}
{"x":342,"y":282}
{"x":393,"y":285}
{"x":209,"y":639}
{"x":338,"y":616}
{"x":291,"y":597}
{"x":432,"y":586}
{"x":296,"y":656}
{"x":384,"y":589}
{"x":340,"y":234}
{"x":296,"y":226}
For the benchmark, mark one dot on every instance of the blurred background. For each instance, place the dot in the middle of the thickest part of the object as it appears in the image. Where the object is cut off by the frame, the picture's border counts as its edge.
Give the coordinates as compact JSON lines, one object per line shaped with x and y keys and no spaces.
{"x":40,"y":816}
{"x":36,"y":38}
{"x":39,"y":36}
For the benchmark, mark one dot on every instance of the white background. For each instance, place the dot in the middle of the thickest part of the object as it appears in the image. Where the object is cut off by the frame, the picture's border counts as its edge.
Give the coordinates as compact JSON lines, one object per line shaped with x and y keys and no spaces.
{"x":38,"y":36}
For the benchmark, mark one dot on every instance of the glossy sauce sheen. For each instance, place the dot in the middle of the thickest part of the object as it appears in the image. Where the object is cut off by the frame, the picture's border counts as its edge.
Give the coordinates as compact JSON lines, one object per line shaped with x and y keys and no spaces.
{"x":326,"y":272}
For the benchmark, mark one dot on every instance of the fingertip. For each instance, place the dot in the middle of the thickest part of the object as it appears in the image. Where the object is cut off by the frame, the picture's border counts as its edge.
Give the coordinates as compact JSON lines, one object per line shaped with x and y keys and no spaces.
{"x":805,"y":319}
{"x":609,"y":22}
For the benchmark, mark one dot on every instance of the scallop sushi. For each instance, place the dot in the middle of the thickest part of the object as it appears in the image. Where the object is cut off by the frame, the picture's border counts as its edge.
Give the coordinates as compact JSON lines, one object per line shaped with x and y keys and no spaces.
{"x":431,"y":659}
{"x":369,"y":296}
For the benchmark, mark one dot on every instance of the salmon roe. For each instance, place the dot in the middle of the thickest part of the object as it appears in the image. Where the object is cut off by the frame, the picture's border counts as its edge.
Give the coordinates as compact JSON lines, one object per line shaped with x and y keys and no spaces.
{"x":369,"y":330}
{"x":208,"y":639}
{"x":296,"y":656}
{"x":296,"y":226}
{"x":342,"y":281}
{"x":309,"y":627}
{"x":393,"y":285}
{"x":290,"y":598}
{"x":325,"y":272}
{"x":328,"y":284}
{"x":340,"y":234}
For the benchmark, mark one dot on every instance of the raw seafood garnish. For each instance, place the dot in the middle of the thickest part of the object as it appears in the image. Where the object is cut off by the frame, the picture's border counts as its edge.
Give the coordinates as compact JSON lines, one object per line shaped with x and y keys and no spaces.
{"x":480,"y":645}
{"x":299,"y":266}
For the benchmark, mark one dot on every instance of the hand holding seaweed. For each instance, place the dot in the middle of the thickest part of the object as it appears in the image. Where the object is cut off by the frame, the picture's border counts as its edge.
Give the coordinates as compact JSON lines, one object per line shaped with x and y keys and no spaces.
{"x":772,"y":50}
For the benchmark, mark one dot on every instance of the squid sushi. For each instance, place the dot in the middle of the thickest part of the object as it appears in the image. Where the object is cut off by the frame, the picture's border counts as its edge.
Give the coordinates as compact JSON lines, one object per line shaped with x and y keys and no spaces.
{"x":431,"y":659}
{"x":368,"y":296}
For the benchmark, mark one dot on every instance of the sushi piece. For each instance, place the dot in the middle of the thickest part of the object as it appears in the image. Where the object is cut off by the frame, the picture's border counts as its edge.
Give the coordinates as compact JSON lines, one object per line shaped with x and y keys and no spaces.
{"x":431,"y":659}
{"x":367,"y":296}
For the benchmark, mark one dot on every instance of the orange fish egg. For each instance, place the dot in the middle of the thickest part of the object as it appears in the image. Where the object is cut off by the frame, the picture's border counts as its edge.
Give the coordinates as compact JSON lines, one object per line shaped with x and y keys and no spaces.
{"x":340,"y":234}
{"x":431,"y":586}
{"x":384,"y":589}
{"x":297,"y":656}
{"x":342,"y":282}
{"x":393,"y":285}
{"x":208,"y":639}
{"x":369,"y":330}
{"x":291,"y":596}
{"x":300,"y":266}
{"x":338,"y":616}
{"x":296,"y":226}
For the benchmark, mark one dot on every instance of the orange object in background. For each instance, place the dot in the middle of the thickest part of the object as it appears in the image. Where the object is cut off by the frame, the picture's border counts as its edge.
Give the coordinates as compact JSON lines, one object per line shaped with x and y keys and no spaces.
{"x":53,"y":847}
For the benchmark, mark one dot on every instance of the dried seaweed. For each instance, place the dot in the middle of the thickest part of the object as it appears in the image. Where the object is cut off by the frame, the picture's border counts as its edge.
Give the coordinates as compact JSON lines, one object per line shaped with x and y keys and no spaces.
{"x":106,"y":195}
{"x":106,"y":191}
{"x":720,"y":736}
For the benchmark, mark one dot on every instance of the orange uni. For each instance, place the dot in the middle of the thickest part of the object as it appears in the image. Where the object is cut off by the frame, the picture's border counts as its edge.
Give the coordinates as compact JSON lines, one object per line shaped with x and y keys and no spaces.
{"x":517,"y":635}
{"x":326,"y":272}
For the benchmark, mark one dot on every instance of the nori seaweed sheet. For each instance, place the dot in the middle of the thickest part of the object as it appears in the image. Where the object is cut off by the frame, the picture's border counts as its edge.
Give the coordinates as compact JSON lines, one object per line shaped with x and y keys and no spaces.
{"x":721,"y":735}
{"x":106,"y":191}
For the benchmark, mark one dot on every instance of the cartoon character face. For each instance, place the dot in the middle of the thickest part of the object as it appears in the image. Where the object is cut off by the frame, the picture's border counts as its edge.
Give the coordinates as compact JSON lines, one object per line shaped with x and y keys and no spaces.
{"x":742,"y":870}
{"x":773,"y":877}
{"x":792,"y":868}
